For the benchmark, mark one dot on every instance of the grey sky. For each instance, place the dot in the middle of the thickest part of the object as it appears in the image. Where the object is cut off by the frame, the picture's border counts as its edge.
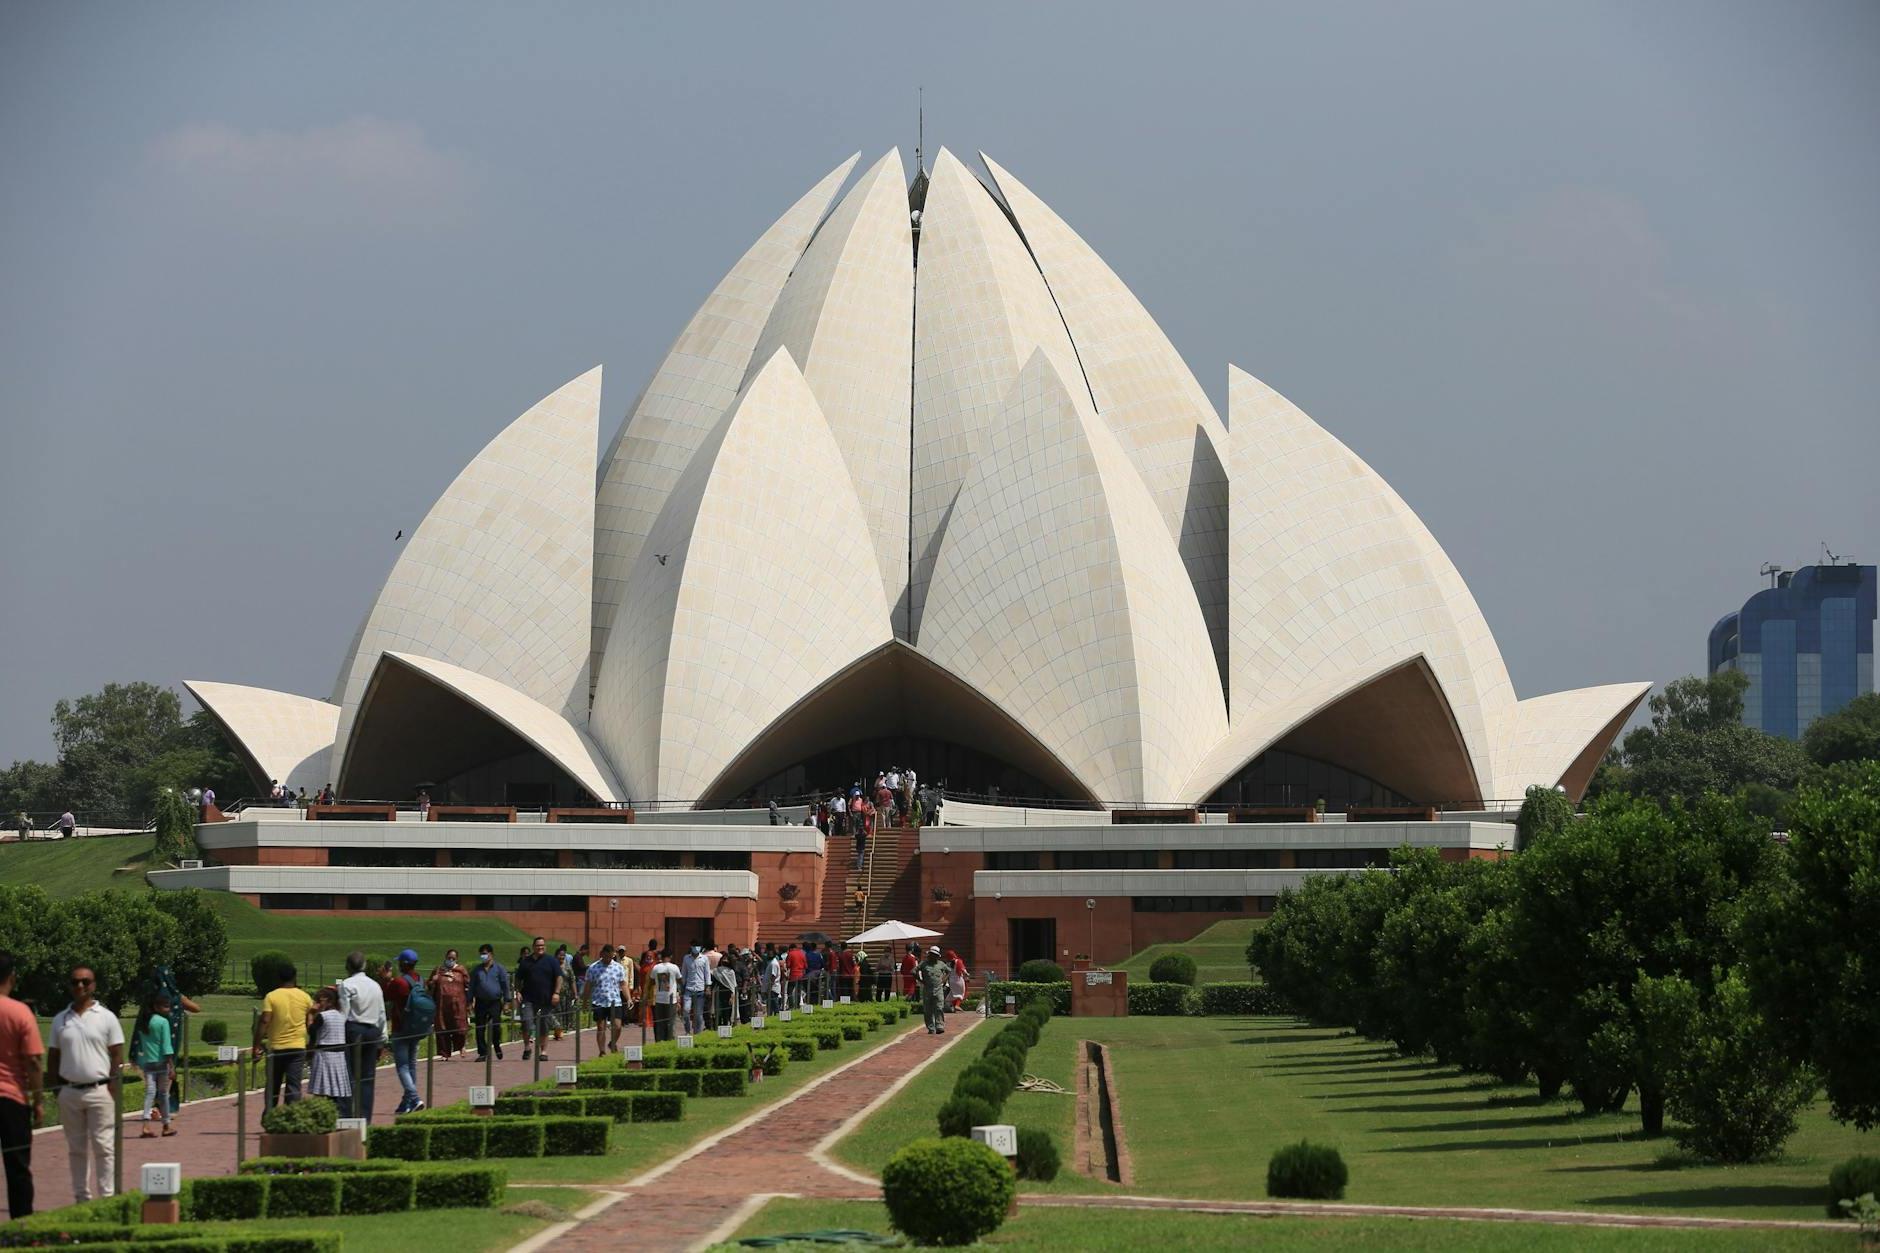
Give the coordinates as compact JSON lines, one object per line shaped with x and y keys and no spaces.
{"x":1597,"y":288}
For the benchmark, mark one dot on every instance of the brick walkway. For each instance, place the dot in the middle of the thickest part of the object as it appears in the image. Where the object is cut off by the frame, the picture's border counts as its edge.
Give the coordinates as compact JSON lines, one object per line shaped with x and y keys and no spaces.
{"x":205,"y":1130}
{"x":769,"y":1153}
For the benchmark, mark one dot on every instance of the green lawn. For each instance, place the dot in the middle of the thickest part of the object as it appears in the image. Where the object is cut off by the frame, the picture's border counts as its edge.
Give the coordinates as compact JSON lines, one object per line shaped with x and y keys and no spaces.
{"x":1220,"y":953}
{"x":1205,"y":1101}
{"x":525,"y":1211}
{"x":1054,"y":1229}
{"x":69,"y":867}
{"x":319,"y":944}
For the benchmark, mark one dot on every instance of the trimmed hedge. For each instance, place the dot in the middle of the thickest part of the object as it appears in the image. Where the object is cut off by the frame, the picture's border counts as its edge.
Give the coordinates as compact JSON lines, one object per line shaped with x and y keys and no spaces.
{"x":311,"y":1196}
{"x":960,"y":1115}
{"x":575,"y":1137}
{"x":1040,"y":970}
{"x":948,"y":1192}
{"x":472,"y":1136}
{"x":405,"y":1141}
{"x":724,"y":1083}
{"x":311,"y":1166}
{"x":458,"y":1141}
{"x":374,"y":1192}
{"x":685,"y":1081}
{"x":853,"y":1031}
{"x":462,"y":1187}
{"x":1037,"y":1154}
{"x":1058,"y":994}
{"x":1164,"y":1000}
{"x":30,"y":1234}
{"x":1241,"y":998}
{"x":1850,"y":1179}
{"x":523,"y":1138}
{"x":229,"y":1199}
{"x":658,"y":1107}
{"x":799,"y":1049}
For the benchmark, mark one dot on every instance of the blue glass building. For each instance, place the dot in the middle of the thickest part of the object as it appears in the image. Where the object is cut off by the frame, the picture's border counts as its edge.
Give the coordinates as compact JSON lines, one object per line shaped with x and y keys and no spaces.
{"x":1806,"y":645}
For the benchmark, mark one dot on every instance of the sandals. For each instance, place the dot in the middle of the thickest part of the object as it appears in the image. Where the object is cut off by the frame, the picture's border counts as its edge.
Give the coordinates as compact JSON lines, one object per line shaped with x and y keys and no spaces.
{"x":169,"y":1131}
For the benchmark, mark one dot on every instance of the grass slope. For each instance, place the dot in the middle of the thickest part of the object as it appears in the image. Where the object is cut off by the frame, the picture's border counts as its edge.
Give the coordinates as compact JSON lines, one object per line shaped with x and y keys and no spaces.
{"x":70,"y":867}
{"x":1205,"y":1101}
{"x":1220,"y":953}
{"x":1053,"y":1230}
{"x":319,"y":944}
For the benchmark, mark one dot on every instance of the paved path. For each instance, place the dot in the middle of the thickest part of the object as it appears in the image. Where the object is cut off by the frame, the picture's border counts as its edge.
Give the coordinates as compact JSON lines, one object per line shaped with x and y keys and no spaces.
{"x":205,"y":1130}
{"x":779,"y":1150}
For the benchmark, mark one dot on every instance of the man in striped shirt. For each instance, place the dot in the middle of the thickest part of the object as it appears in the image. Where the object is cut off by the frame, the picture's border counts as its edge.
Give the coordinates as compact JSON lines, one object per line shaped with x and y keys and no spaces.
{"x":603,"y":980}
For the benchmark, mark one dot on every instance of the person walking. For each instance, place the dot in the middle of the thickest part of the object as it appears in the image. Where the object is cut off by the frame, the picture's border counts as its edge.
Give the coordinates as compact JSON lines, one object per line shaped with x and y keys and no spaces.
{"x":956,"y":982}
{"x":725,"y":994}
{"x":665,"y":979}
{"x":604,"y":984}
{"x":488,"y":986}
{"x":449,"y":985}
{"x":153,"y":1051}
{"x":795,"y":967}
{"x":815,"y":966}
{"x":696,"y":971}
{"x":162,"y":982}
{"x":67,"y":825}
{"x":20,"y":1079}
{"x":538,"y":991}
{"x":281,"y":1034}
{"x":412,"y":1012}
{"x":362,"y":1000}
{"x":910,"y":963}
{"x":85,"y":1049}
{"x":567,"y":1004}
{"x":326,"y":1032}
{"x":935,"y":975}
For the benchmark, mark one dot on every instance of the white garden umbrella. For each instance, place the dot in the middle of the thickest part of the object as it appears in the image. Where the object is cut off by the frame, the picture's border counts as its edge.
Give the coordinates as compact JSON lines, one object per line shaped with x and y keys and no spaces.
{"x":891,"y":930}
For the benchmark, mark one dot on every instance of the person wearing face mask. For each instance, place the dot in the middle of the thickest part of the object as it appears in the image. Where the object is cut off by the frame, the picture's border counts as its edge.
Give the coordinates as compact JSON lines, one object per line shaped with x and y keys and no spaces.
{"x":489,"y":994}
{"x":450,"y":988}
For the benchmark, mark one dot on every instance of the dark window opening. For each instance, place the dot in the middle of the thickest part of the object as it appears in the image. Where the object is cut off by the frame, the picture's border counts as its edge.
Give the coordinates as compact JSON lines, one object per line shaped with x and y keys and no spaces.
{"x":1191,"y":904}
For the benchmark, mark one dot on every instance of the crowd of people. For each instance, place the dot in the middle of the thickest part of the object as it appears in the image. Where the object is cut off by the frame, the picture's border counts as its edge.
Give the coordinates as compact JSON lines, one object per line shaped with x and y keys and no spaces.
{"x":329,"y":1042}
{"x":896,"y":799}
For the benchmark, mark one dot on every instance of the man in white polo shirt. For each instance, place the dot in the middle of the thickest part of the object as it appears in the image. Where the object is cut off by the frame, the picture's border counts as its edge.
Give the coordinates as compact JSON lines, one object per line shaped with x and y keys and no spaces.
{"x":85,"y":1049}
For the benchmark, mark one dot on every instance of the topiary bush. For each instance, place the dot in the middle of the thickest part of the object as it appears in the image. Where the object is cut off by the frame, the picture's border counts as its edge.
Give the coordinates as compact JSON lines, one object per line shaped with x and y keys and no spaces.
{"x":961,"y":1114}
{"x":304,"y":1196}
{"x":685,"y":1081}
{"x":658,"y":1107}
{"x":409,"y":1142}
{"x":267,"y":967}
{"x":522,"y":1138}
{"x":457,"y":1141}
{"x":1040,"y":970}
{"x":1037,"y":1154}
{"x":1174,"y":968}
{"x":215,"y":1031}
{"x":1314,"y":1172}
{"x":947,"y":1192}
{"x":465,"y":1187}
{"x":1852,"y":1178}
{"x":374,"y":1192}
{"x":724,"y":1083}
{"x":310,"y":1116}
{"x":231,"y":1199}
{"x":981,"y":1089}
{"x":575,"y":1137}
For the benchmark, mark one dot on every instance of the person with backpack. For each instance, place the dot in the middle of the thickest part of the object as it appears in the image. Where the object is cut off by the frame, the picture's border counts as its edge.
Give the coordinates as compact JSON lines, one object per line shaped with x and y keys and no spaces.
{"x":411,"y":1011}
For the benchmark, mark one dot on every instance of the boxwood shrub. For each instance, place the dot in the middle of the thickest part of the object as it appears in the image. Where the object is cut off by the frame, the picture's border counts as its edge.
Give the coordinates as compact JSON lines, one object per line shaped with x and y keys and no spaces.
{"x":948,"y":1192}
{"x":723,"y":1083}
{"x":1173,"y":968}
{"x":304,"y":1196}
{"x":1163,"y":1000}
{"x":515,"y":1106}
{"x":311,"y":1166}
{"x":728,"y":1059}
{"x":232,"y":1198}
{"x":961,"y":1114}
{"x":692,"y":1059}
{"x":521,"y":1138}
{"x":635,"y":1080}
{"x":374,"y":1192}
{"x":853,"y":1031}
{"x":615,"y":1105}
{"x":685,"y":1081}
{"x":462,"y":1187}
{"x":1314,"y":1172}
{"x":658,"y":1107}
{"x":1041,"y":970}
{"x":990,"y":1091}
{"x":798,"y":1048}
{"x":575,"y":1137}
{"x":1059,"y":994}
{"x":1850,"y":1179}
{"x":409,"y":1142}
{"x":1037,"y":1154}
{"x":1241,"y":998}
{"x":457,"y":1141}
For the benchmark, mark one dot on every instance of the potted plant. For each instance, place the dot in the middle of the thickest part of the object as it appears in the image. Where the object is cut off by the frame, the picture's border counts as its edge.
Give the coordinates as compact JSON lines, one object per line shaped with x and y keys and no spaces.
{"x":308,"y":1128}
{"x":787,"y":894}
{"x":942,"y":903}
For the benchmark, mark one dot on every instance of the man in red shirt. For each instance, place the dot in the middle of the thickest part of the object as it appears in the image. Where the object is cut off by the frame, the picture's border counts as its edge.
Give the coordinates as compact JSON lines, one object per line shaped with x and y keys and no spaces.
{"x":909,"y":964}
{"x":20,"y":1079}
{"x":795,"y":967}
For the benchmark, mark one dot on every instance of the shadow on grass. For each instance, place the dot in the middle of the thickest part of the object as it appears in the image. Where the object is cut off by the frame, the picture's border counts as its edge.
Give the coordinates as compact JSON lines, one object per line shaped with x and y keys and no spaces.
{"x":1537,"y":1142}
{"x":1420,"y":1107}
{"x":1375,"y":1074}
{"x":1771,"y":1195}
{"x":1382,"y":1094}
{"x":1563,"y":1119}
{"x":1326,"y":1036}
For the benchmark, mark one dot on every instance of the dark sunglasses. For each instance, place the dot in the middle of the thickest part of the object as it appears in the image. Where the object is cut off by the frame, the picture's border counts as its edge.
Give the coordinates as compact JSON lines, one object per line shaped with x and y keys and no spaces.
{"x":82,"y":983}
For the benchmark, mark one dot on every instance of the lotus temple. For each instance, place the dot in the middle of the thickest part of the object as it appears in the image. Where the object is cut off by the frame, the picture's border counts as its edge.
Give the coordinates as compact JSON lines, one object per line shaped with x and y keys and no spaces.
{"x":920,"y":485}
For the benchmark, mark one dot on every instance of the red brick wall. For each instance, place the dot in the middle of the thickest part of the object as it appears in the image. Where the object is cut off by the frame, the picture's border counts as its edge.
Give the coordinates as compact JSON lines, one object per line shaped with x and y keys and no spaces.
{"x":1120,"y":931}
{"x":773,"y":870}
{"x":734,"y":920}
{"x":252,"y":856}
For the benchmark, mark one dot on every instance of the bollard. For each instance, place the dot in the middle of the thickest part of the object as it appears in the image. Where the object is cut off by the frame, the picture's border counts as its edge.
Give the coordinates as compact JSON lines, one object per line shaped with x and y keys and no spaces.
{"x":489,"y":1067}
{"x":182,"y":1091}
{"x":241,"y":1109}
{"x":577,"y":1035}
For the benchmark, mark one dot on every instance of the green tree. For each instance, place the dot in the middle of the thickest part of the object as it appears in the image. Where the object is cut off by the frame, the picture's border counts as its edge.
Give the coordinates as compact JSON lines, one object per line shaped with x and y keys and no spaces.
{"x":1630,"y":891}
{"x":1422,"y":955}
{"x":121,"y":935}
{"x":201,"y":950}
{"x":26,"y":932}
{"x":31,"y":786}
{"x":1728,"y":1080}
{"x":176,"y":827}
{"x":1850,"y":733}
{"x":1813,"y":940}
{"x":1696,"y":744}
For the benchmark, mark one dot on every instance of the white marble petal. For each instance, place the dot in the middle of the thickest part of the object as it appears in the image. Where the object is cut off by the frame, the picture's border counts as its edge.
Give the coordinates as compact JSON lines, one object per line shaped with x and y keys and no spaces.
{"x":1546,"y":735}
{"x":980,"y":310}
{"x":498,"y":576}
{"x":687,"y":395}
{"x":1059,"y":595}
{"x":745,"y":597}
{"x":847,"y":316}
{"x":1334,"y":576}
{"x":1144,"y":393}
{"x":282,"y":736}
{"x":550,"y":733}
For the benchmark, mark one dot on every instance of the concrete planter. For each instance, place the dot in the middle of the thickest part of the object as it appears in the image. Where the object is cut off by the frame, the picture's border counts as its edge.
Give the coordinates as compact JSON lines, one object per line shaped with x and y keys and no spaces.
{"x":348,"y":1143}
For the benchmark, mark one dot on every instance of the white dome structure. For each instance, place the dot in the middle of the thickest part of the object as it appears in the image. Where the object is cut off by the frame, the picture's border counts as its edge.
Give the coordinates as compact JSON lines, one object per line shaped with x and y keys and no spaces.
{"x":922,"y":482}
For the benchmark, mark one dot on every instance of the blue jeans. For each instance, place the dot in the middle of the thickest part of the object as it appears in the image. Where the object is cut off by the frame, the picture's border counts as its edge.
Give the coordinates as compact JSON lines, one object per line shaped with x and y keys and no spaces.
{"x":405,"y":1065}
{"x":695,"y":1012}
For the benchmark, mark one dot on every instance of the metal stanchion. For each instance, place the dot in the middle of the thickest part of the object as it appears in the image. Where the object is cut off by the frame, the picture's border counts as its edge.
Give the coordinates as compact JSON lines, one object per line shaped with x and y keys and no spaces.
{"x":577,"y":1035}
{"x":241,"y":1108}
{"x":430,"y":1064}
{"x":182,"y":1091}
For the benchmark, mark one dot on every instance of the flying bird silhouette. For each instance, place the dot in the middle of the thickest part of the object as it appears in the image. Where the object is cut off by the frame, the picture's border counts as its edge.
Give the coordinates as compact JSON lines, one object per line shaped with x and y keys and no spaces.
{"x":660,"y":558}
{"x":399,"y":536}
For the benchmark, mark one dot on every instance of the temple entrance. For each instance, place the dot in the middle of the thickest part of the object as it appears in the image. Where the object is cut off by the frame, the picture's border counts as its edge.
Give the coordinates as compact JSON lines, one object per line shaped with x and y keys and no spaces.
{"x":1032,"y":939}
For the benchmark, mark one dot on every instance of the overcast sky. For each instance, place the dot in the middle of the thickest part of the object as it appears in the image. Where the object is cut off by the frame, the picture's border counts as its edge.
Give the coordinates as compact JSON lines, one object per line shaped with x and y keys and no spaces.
{"x":1596,"y":287}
